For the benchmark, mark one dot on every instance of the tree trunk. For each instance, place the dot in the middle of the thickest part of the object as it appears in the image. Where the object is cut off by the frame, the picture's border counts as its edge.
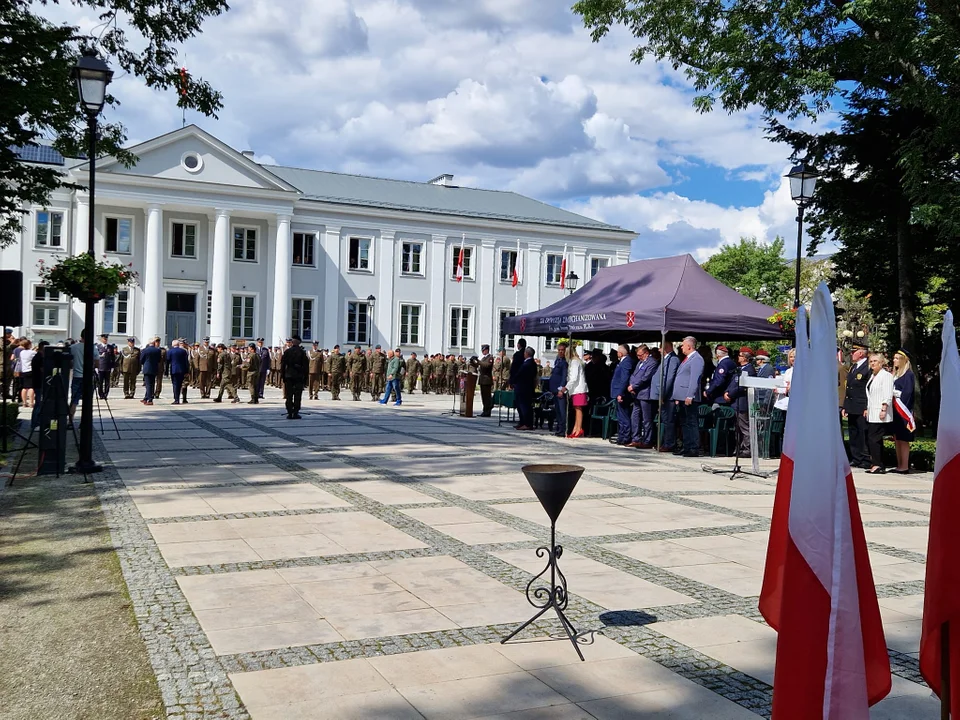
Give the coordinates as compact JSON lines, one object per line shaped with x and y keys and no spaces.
{"x":905,"y":289}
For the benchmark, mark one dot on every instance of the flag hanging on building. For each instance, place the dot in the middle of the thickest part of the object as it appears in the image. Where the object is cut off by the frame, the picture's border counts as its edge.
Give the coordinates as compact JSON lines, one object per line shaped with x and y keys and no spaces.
{"x":515,"y":280}
{"x":460,"y":265}
{"x":818,"y":590}
{"x":563,"y":269}
{"x":941,"y":601}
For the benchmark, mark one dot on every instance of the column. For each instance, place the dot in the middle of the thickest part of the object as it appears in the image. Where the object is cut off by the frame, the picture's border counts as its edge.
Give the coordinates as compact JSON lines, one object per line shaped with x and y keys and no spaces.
{"x":436,"y":311}
{"x":332,"y":310}
{"x":385,"y":307}
{"x":81,"y":220}
{"x":489,"y":320}
{"x":153,"y":276}
{"x":220,"y":279}
{"x":282,"y":269}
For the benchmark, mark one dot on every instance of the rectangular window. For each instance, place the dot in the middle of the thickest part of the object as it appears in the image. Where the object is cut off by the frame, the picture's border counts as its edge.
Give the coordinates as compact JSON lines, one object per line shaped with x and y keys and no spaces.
{"x":302,"y":318}
{"x":119,"y":235}
{"x":360,"y":254}
{"x":245,"y":244}
{"x":509,"y":340}
{"x":598,"y":264}
{"x":410,"y":324}
{"x":411,"y":258}
{"x":549,"y":343}
{"x":49,"y":307}
{"x":46,"y":316}
{"x":554,"y":269}
{"x":209,"y":306}
{"x":241,"y":325}
{"x":508,"y":261}
{"x":49,"y":229}
{"x":467,"y":262}
{"x":115,"y":312}
{"x":460,"y":327}
{"x":303,"y":250}
{"x":41,"y":294}
{"x":184,"y":240}
{"x":358,"y":316}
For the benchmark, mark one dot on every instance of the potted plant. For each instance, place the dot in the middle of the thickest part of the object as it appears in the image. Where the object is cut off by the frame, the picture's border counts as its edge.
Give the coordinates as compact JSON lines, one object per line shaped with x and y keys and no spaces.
{"x":84,"y":278}
{"x":786,"y":319}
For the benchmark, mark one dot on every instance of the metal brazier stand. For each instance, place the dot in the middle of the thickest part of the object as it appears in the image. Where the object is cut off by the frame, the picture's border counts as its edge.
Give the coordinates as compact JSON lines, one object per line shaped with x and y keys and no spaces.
{"x":553,"y":485}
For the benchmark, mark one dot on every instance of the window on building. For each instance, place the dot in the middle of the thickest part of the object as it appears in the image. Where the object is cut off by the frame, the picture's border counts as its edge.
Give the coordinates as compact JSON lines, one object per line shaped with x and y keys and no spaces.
{"x":116,"y":313}
{"x":508,"y":261}
{"x":467,"y":262}
{"x":460,"y":326}
{"x":554,"y":268}
{"x":303,"y":249}
{"x":49,"y":307}
{"x":302,"y":318}
{"x":360,"y":254}
{"x":598,"y":264}
{"x":49,"y":229}
{"x":550,"y":343}
{"x":184,"y":240}
{"x":358,"y":320}
{"x":209,"y":306}
{"x":410,"y":324}
{"x":411,"y":258}
{"x":241,"y":325}
{"x":119,"y":235}
{"x":245,"y":244}
{"x":508,"y":340}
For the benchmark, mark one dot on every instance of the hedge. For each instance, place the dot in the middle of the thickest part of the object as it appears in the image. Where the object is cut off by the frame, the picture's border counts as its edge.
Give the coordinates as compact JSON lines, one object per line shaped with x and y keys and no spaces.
{"x":923,"y":454}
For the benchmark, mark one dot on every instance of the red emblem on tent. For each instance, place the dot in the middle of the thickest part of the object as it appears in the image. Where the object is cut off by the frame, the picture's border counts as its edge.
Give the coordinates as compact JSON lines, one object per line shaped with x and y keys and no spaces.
{"x":631,"y":317}
{"x":523,"y":324}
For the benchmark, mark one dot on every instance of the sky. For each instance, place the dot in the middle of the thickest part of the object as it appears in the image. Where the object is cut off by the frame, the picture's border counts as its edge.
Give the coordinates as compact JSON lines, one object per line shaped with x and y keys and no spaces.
{"x":502,"y":94}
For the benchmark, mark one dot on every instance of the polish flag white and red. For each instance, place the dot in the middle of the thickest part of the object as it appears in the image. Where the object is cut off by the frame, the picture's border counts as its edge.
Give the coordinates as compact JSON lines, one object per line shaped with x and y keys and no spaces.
{"x":460,"y":265}
{"x":515,"y":280}
{"x":941,"y":601}
{"x":563,"y":270}
{"x":818,"y":591}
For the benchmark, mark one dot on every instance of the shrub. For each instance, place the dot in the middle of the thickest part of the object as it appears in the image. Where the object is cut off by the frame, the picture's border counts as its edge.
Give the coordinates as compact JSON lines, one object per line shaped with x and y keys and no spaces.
{"x":923,"y":454}
{"x":11,"y":418}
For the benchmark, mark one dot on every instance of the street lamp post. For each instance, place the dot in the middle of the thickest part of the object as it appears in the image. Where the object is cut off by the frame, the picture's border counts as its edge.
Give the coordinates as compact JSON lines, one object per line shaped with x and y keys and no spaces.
{"x":371,"y":303}
{"x":571,"y":281}
{"x":92,"y":77}
{"x":803,"y":180}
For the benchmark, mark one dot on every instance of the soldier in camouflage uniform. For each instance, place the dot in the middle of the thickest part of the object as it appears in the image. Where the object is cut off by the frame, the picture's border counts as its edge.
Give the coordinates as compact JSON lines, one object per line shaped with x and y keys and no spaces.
{"x":453,"y":384}
{"x":225,"y":374}
{"x":130,"y":367}
{"x":357,"y":368}
{"x":251,"y":363}
{"x":158,"y":384}
{"x":315,"y":366}
{"x":338,"y":369}
{"x":414,"y":368}
{"x":502,"y":370}
{"x":378,"y":373}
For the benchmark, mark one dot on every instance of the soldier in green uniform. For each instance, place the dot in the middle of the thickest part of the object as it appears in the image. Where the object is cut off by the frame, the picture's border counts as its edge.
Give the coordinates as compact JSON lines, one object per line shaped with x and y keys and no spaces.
{"x":453,"y":384}
{"x":414,"y":369}
{"x":225,"y":374}
{"x":502,"y":378}
{"x":315,"y":367}
{"x":440,"y":374}
{"x":235,"y":355}
{"x":378,"y":373}
{"x":325,"y":371}
{"x":338,"y":368}
{"x":357,"y":367}
{"x":130,"y":367}
{"x":158,"y":385}
{"x":252,"y":363}
{"x":117,"y":371}
{"x":194,"y":371}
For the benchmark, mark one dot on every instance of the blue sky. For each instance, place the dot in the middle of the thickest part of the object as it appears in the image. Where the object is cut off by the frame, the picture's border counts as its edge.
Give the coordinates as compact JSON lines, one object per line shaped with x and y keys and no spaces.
{"x":502,"y":94}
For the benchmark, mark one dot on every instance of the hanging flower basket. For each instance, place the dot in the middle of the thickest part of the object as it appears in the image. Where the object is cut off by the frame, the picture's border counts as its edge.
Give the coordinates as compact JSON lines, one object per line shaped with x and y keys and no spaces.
{"x":85,"y":278}
{"x":786,"y":320}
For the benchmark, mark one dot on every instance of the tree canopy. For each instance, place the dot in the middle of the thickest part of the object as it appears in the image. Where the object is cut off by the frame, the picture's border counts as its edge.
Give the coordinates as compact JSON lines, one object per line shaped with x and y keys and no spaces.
{"x":755,"y":269}
{"x":38,"y":100}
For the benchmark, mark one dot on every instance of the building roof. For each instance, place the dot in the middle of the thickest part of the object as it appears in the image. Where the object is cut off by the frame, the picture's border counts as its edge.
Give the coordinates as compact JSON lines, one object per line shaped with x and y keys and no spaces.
{"x":425,"y":197}
{"x":43,"y":154}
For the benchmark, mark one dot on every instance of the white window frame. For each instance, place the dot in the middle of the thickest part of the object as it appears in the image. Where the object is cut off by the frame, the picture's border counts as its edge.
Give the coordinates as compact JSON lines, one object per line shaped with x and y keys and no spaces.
{"x":256,"y":303}
{"x":36,"y":227}
{"x":420,"y":327}
{"x":113,"y":329}
{"x":471,"y":323}
{"x":196,"y":239}
{"x":423,"y":259}
{"x":550,"y":343}
{"x":313,"y":249}
{"x":346,"y":322}
{"x":508,"y":280}
{"x":470,"y":265}
{"x":509,"y":341}
{"x":312,"y":299}
{"x":608,"y":260}
{"x":370,"y":254}
{"x":61,"y":304}
{"x":548,"y":280}
{"x":133,"y":233}
{"x":256,"y":243}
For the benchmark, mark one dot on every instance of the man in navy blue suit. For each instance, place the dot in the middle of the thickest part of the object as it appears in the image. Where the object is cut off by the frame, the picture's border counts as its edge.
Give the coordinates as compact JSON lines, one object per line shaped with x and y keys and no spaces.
{"x":150,"y":364}
{"x":726,"y":368}
{"x":641,"y":420}
{"x":618,"y":392}
{"x":179,"y":367}
{"x":661,"y":390}
{"x":557,"y":386}
{"x":524,"y":384}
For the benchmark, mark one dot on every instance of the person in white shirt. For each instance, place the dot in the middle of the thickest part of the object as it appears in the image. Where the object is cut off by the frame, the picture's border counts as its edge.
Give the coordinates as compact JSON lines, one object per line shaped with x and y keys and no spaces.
{"x":577,"y":388}
{"x":879,"y":412}
{"x":783,"y":393}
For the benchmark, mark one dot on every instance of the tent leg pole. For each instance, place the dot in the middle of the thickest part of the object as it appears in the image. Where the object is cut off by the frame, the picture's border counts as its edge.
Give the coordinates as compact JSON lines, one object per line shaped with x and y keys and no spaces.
{"x":663,"y":341}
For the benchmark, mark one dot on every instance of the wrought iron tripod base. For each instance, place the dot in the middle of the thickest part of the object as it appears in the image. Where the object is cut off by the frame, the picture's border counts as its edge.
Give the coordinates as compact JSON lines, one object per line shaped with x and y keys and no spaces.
{"x":554,"y":596}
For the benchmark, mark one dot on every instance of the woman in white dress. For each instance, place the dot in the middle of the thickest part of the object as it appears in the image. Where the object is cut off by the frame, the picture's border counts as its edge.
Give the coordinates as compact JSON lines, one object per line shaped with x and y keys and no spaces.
{"x":879,"y":412}
{"x":576,"y":389}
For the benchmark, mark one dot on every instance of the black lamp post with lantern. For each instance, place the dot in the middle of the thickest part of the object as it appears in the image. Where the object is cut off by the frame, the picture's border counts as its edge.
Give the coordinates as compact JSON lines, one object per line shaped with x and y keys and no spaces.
{"x":571,"y":281}
{"x":92,"y":76}
{"x":371,"y":304}
{"x":803,"y":181}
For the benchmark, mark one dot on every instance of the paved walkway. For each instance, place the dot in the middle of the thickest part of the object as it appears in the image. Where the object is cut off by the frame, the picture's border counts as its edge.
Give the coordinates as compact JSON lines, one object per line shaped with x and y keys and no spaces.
{"x":365,"y":561}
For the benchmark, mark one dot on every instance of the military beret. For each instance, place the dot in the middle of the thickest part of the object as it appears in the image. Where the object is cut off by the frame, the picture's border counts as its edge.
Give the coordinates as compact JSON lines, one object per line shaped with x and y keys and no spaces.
{"x":761,"y":353}
{"x":722,"y":348}
{"x":356,"y":347}
{"x":378,"y":347}
{"x":746,"y":350}
{"x":221,"y":345}
{"x":252,"y":345}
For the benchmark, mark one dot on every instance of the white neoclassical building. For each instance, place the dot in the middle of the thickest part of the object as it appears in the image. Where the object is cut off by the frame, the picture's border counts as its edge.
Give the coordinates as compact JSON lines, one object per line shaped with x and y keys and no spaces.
{"x":232,"y":249}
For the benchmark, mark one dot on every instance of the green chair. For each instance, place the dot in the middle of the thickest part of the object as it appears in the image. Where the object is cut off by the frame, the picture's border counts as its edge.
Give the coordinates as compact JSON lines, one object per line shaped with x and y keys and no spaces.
{"x":506,"y":410}
{"x":722,"y":422}
{"x":604,"y":411}
{"x":774,"y":432}
{"x":704,"y":415}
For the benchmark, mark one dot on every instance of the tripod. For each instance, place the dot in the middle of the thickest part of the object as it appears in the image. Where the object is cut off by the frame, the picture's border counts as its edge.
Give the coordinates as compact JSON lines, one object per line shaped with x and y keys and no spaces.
{"x":106,"y":402}
{"x":736,"y":471}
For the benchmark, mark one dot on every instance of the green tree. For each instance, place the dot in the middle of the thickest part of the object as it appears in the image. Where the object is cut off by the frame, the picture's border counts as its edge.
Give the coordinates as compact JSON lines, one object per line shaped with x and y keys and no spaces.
{"x":38,"y":100}
{"x":754,"y":269}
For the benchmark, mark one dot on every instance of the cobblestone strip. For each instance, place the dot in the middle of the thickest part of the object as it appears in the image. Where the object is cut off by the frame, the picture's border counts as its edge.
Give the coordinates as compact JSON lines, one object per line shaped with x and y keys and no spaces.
{"x":192,"y":680}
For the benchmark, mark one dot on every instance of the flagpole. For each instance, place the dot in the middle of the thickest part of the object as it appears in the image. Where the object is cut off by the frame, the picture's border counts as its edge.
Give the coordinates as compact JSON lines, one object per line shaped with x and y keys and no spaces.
{"x":516,"y":266}
{"x":945,"y":671}
{"x":463,"y":241}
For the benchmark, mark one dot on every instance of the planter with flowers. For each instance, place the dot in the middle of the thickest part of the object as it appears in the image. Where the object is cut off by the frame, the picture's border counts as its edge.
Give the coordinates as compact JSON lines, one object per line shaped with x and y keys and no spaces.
{"x":84,"y":278}
{"x":786,"y":320}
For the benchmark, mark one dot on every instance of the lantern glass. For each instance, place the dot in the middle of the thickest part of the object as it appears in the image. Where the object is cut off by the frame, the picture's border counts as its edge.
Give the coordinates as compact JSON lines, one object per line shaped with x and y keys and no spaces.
{"x":803,"y":181}
{"x":92,"y":76}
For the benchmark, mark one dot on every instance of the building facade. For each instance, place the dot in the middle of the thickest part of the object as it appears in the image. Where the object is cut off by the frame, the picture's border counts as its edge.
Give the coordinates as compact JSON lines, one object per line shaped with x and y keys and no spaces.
{"x":234,"y":250}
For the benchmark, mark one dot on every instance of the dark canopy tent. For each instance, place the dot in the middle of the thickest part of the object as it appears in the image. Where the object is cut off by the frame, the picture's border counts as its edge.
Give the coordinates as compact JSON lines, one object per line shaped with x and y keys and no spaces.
{"x":650,"y":298}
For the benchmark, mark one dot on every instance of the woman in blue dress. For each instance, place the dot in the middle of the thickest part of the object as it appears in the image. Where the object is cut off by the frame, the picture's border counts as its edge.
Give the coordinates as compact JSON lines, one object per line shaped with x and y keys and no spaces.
{"x":904,"y":395}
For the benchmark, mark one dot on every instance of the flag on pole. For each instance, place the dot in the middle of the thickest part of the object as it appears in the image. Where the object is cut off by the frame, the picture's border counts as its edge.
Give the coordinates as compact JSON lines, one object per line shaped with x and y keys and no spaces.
{"x":818,"y":590}
{"x":184,"y":80}
{"x":941,"y":601}
{"x":516,"y":267}
{"x":563,"y":269}
{"x":460,"y":265}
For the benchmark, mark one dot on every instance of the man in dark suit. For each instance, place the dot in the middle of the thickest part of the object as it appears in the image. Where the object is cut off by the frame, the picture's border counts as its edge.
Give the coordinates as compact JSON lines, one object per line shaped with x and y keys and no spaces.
{"x":661,"y":390}
{"x":643,"y":409}
{"x":264,"y":354}
{"x":720,"y":380}
{"x":294,"y":370}
{"x":518,"y":360}
{"x":854,"y":405}
{"x":150,"y":362}
{"x":736,"y":395}
{"x":618,"y":392}
{"x":524,"y":384}
{"x":557,"y":386}
{"x":179,"y":362}
{"x":686,"y":396}
{"x":485,"y":380}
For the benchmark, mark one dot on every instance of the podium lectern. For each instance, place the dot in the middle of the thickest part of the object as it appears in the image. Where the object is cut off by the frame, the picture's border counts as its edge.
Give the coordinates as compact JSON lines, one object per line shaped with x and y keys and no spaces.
{"x":468,"y":389}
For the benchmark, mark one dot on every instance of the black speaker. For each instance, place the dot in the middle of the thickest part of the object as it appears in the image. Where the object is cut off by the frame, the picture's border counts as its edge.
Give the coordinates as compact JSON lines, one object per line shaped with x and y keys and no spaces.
{"x":11,"y":297}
